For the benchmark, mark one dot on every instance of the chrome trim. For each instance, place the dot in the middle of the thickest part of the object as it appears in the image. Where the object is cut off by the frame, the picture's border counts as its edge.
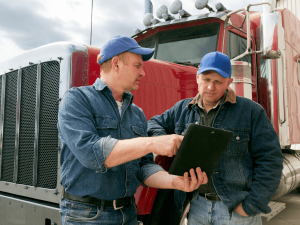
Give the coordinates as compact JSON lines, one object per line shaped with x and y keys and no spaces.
{"x":281,"y":121}
{"x":295,"y":147}
{"x":223,"y":47}
{"x":247,"y":15}
{"x":18,"y":111}
{"x":27,"y":211}
{"x":268,"y":25}
{"x":37,"y":118}
{"x":43,"y":194}
{"x":271,"y":89}
{"x":290,"y":177}
{"x":298,"y":61}
{"x":2,"y":119}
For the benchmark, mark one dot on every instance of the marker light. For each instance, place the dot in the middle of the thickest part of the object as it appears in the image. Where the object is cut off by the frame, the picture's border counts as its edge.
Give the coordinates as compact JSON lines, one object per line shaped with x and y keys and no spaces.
{"x":147,"y":19}
{"x":137,"y":30}
{"x":162,"y":13}
{"x":200,"y":4}
{"x":220,"y":7}
{"x":155,"y":21}
{"x":176,"y":7}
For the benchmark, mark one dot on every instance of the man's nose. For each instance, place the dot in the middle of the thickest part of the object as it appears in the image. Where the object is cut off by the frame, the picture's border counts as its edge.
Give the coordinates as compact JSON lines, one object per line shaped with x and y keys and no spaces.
{"x":211,"y":86}
{"x":142,"y":72}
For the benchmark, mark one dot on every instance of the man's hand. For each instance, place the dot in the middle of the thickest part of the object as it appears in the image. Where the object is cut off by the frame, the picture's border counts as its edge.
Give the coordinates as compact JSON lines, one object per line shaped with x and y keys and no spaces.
{"x":189,"y":184}
{"x":166,"y":145}
{"x":239,"y":209}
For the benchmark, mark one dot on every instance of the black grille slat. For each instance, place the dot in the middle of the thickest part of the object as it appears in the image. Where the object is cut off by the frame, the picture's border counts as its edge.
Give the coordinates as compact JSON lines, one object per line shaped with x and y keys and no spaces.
{"x":48,"y":133}
{"x":0,"y":124}
{"x":27,"y":125}
{"x":9,"y":131}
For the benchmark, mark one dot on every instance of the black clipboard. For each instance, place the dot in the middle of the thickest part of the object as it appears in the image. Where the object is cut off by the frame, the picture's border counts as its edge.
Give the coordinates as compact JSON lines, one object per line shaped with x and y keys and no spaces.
{"x":201,"y":146}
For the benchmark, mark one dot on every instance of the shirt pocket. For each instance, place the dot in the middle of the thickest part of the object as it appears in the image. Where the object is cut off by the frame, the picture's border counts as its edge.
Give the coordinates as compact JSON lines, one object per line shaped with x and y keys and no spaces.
{"x":106,"y":126}
{"x":239,"y":144}
{"x":138,"y":131}
{"x":180,"y":128}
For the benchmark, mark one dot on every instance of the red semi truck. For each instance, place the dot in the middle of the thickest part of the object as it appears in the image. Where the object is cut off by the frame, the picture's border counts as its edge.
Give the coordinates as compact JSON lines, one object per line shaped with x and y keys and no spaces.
{"x":265,"y":52}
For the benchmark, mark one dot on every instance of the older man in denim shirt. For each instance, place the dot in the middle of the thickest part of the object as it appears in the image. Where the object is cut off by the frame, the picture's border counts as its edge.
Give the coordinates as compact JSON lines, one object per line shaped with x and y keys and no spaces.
{"x":105,"y":149}
{"x":250,"y":169}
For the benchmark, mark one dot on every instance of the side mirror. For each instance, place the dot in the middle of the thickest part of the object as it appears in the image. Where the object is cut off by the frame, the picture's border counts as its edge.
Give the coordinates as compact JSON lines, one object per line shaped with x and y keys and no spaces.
{"x":269,"y":35}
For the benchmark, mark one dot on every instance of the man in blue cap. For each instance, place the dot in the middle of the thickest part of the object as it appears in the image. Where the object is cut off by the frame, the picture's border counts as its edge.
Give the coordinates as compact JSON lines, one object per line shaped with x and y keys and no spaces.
{"x":250,"y":169}
{"x":105,"y":152}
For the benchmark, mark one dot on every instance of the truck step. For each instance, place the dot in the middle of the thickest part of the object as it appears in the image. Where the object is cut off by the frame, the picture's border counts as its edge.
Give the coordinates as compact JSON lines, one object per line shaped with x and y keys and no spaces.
{"x":276,"y":208}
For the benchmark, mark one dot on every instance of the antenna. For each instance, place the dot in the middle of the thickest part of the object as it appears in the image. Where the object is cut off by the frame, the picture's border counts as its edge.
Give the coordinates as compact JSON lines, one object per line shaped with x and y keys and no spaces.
{"x":91,"y":23}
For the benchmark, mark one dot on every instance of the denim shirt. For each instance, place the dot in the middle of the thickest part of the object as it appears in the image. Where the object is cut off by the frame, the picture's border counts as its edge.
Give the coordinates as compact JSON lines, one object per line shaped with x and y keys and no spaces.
{"x":250,"y":169}
{"x":90,"y":125}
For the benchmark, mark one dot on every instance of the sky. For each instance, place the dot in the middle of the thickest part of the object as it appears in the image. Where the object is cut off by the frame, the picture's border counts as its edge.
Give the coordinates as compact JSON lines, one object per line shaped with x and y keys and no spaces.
{"x":27,"y":24}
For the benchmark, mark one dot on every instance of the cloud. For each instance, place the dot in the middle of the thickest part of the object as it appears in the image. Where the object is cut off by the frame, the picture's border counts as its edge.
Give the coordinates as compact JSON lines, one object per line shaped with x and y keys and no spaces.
{"x":22,"y":23}
{"x":32,"y":23}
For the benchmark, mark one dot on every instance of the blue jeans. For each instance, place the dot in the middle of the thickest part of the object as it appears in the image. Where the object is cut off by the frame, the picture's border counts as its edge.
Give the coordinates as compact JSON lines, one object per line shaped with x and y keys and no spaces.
{"x":207,"y":212}
{"x":73,"y":213}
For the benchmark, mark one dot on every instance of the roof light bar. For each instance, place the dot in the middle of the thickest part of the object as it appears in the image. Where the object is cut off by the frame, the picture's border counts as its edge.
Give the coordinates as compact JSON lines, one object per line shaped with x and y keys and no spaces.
{"x":176,"y":7}
{"x":201,"y":4}
{"x":162,"y":13}
{"x":220,"y":7}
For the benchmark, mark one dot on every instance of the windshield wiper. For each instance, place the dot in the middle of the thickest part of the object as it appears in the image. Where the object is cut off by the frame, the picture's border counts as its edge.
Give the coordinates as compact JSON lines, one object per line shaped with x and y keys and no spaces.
{"x":188,"y":63}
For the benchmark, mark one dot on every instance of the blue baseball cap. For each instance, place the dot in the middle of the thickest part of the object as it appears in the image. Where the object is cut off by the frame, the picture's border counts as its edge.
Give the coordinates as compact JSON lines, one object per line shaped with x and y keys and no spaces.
{"x":119,"y":44}
{"x":216,"y":61}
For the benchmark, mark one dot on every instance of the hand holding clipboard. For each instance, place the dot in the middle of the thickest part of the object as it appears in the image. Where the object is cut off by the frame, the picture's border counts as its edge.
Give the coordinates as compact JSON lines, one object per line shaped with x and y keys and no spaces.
{"x":201,"y":147}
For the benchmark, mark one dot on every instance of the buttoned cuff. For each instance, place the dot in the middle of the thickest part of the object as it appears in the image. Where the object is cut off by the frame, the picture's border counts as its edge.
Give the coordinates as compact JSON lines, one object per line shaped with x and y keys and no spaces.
{"x":148,"y":170}
{"x":102,"y":148}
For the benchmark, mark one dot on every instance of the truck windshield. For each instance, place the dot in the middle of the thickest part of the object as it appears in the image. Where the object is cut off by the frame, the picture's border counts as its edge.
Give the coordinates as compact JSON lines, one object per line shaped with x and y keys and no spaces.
{"x":187,"y":44}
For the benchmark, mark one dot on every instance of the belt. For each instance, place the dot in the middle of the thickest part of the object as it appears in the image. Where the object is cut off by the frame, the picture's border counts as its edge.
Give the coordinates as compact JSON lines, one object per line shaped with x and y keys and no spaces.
{"x":210,"y":196}
{"x":117,"y":204}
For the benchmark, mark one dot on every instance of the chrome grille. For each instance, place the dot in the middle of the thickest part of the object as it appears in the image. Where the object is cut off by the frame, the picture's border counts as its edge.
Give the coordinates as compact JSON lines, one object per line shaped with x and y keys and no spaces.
{"x":47,"y":160}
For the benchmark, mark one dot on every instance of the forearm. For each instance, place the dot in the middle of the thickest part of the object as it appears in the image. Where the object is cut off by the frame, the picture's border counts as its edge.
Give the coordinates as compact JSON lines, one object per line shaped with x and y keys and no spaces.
{"x":160,"y":179}
{"x":127,"y":150}
{"x":164,"y":180}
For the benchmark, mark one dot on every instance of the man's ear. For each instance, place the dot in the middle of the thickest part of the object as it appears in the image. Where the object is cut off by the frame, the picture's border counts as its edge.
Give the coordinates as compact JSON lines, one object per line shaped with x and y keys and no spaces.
{"x":230,"y":80}
{"x":197,"y":78}
{"x":114,"y":63}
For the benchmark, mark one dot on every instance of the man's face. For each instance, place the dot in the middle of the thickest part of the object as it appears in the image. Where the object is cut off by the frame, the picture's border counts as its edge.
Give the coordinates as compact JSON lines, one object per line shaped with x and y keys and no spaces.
{"x":131,"y":72}
{"x":212,"y":86}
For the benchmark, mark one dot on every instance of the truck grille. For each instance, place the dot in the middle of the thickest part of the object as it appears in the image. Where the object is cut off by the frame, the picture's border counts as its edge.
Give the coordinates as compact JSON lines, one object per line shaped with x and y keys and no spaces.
{"x":18,"y":165}
{"x":9,"y":130}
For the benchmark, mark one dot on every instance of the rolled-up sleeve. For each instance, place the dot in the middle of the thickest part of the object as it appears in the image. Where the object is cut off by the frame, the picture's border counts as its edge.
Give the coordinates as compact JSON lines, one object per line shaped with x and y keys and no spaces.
{"x":148,"y":167}
{"x":76,"y":125}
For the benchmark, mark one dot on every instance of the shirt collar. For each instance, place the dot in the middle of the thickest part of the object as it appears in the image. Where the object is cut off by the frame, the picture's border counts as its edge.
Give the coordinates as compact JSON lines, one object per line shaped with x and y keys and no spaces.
{"x":100,"y":86}
{"x":230,"y":97}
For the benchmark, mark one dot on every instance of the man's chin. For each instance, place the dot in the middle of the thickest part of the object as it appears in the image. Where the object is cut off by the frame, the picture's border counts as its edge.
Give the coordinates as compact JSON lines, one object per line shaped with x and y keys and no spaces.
{"x":134,"y":88}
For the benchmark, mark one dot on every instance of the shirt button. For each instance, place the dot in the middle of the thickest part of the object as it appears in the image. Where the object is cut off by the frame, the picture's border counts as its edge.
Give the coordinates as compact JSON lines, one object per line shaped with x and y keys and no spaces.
{"x":237,"y":138}
{"x":182,"y":133}
{"x":196,"y":123}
